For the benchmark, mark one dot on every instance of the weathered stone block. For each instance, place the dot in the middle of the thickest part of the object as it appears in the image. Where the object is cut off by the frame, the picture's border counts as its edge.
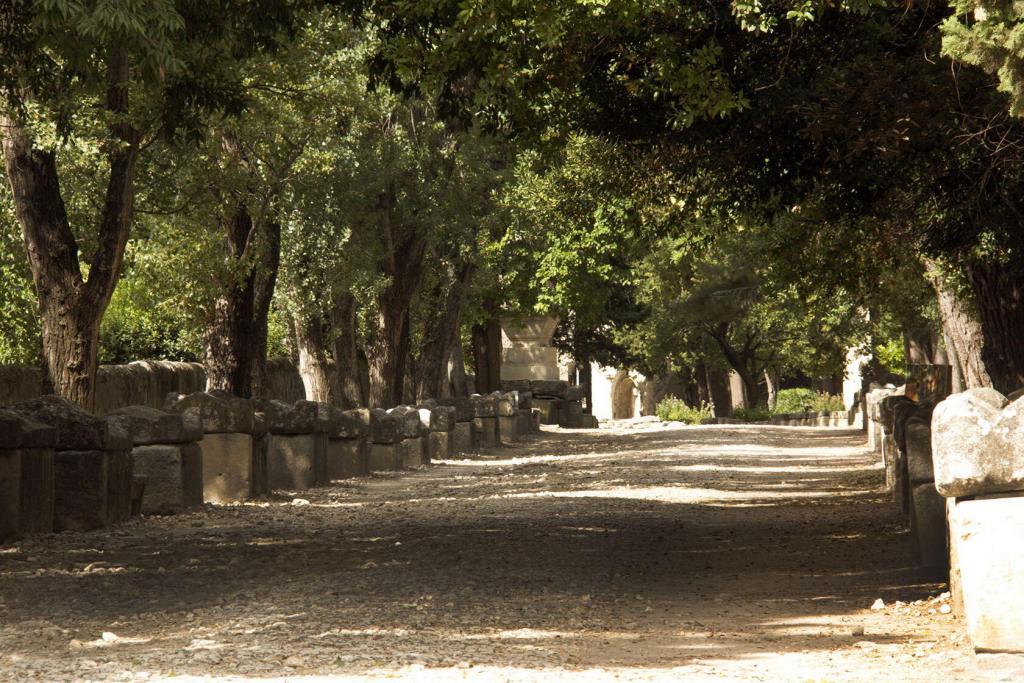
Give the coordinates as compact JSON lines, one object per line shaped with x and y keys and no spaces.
{"x":80,"y":490}
{"x":411,"y":424}
{"x":174,"y":477}
{"x":589,"y":422}
{"x":550,"y":410}
{"x":385,"y":427}
{"x":219,"y":412}
{"x":347,"y":458}
{"x":301,"y":417}
{"x":76,"y":429}
{"x":505,"y":404}
{"x":987,"y":532}
{"x":260,"y":470}
{"x":148,"y":425}
{"x":576,"y":392}
{"x":508,"y":429}
{"x":26,"y":492}
{"x":525,"y":399}
{"x":919,"y":451}
{"x":439,"y":445}
{"x":484,"y":406}
{"x":548,"y":388}
{"x":463,"y":407}
{"x":929,"y":509}
{"x":976,"y":444}
{"x":464,"y":438}
{"x":348,"y":424}
{"x":120,"y":470}
{"x":572,"y":415}
{"x":292,"y":461}
{"x":487,"y":431}
{"x":384,"y":457}
{"x":411,"y":453}
{"x":230,"y":465}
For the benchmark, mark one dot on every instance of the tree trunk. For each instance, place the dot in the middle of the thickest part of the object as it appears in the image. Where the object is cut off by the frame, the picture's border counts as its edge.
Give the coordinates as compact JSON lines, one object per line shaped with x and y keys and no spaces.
{"x":999,"y":299}
{"x":346,"y":353}
{"x":771,"y":383}
{"x":236,"y":336}
{"x":383,"y":354}
{"x":718,"y":386}
{"x":457,"y":371}
{"x":442,"y":334}
{"x":71,"y":306}
{"x":961,"y":329}
{"x":318,"y":374}
{"x":479,"y":342}
{"x":586,"y":379}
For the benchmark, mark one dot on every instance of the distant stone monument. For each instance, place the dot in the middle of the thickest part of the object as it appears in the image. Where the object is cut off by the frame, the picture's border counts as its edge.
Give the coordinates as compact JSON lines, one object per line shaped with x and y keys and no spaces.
{"x":527,"y":353}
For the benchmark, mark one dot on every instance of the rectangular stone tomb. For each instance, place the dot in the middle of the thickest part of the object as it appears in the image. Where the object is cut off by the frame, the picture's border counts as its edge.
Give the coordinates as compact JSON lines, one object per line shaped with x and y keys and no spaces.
{"x":384,"y":457}
{"x":929,"y":525}
{"x":174,"y":477}
{"x":464,"y":438}
{"x":439,"y":445}
{"x":347,"y":458}
{"x":230,"y":468}
{"x":487,"y":431}
{"x":508,"y":429}
{"x":292,"y":461}
{"x":411,"y":452}
{"x":26,"y":492}
{"x":91,"y":489}
{"x":987,"y":533}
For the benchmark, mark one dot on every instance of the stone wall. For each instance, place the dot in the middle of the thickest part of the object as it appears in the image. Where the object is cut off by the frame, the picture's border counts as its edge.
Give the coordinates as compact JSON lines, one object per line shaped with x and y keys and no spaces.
{"x":146,"y":383}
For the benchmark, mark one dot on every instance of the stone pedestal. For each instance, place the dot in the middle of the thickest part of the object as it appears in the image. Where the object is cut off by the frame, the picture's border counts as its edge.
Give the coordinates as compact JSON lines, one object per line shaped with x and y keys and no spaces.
{"x":550,"y":410}
{"x":26,"y":476}
{"x":987,"y":534}
{"x":229,"y":475}
{"x":292,"y":461}
{"x":929,"y":525}
{"x":464,"y":438}
{"x":347,"y":458}
{"x":487,"y":431}
{"x":410,"y":453}
{"x":508,"y":429}
{"x":384,"y":457}
{"x":174,"y":477}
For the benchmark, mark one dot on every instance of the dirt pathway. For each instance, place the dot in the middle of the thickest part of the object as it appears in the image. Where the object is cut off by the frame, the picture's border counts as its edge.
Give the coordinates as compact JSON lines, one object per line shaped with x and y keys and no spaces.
{"x":616,"y":554}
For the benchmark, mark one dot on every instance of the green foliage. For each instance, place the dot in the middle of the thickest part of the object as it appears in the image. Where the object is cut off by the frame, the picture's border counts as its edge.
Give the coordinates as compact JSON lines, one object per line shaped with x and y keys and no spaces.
{"x":801,"y":399}
{"x":675,"y":409}
{"x":759,"y":414}
{"x":19,"y":322}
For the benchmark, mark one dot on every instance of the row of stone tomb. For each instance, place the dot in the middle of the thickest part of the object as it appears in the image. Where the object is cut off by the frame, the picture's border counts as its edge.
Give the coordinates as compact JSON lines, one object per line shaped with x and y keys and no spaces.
{"x":955,"y":468}
{"x":63,"y":468}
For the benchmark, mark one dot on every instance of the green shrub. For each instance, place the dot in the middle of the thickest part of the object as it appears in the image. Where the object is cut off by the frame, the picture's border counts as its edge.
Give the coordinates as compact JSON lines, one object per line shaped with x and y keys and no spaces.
{"x":752,"y":414}
{"x":794,"y":401}
{"x":674,"y":409}
{"x":801,"y":400}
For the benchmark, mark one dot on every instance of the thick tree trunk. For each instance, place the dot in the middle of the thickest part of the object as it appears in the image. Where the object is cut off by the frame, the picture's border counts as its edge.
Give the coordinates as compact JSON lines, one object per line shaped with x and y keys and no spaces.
{"x":961,"y":329}
{"x":586,"y":379}
{"x":457,"y":371}
{"x":346,"y":353}
{"x":318,"y":373}
{"x":744,"y":363}
{"x":478,"y":339}
{"x":442,"y":334}
{"x":999,"y":299}
{"x":718,"y":386}
{"x":71,"y":306}
{"x":236,"y":336}
{"x":404,"y":392}
{"x":383,"y":355}
{"x":771,"y":383}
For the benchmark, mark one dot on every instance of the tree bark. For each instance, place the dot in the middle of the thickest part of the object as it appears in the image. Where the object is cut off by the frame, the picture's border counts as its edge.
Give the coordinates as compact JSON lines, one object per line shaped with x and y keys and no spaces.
{"x":346,"y":353}
{"x":236,"y":336}
{"x":71,"y":306}
{"x":478,"y":338}
{"x":442,"y":333}
{"x":457,"y":371}
{"x":318,"y":373}
{"x":961,"y":328}
{"x":999,"y":299}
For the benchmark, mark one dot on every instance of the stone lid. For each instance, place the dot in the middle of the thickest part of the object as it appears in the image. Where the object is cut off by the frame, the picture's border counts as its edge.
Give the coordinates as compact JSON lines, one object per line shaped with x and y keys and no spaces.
{"x":219,"y":412}
{"x":505,"y":403}
{"x":19,"y":431}
{"x":577,"y":392}
{"x":463,"y":407}
{"x":385,"y":427}
{"x":525,"y":399}
{"x":301,"y":417}
{"x":411,"y":424}
{"x":515,"y":385}
{"x":484,"y":406}
{"x":441,"y":418}
{"x":347,"y":424}
{"x":77,"y":428}
{"x":549,"y":388}
{"x":148,"y":425}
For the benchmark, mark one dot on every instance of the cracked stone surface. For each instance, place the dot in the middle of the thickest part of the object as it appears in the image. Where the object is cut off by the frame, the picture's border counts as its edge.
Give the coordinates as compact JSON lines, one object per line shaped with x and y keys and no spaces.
{"x":640,"y":551}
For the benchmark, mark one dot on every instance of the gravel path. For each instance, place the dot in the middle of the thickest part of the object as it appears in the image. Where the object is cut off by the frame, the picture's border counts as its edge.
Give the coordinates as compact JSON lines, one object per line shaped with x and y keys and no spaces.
{"x":637,"y":552}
